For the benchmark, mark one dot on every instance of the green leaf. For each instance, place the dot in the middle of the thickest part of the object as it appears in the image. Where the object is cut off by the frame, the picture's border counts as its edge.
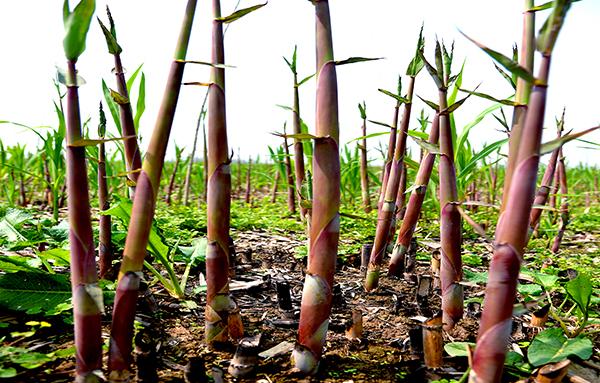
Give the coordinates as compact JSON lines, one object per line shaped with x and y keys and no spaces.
{"x":59,"y":257}
{"x":352,"y":60}
{"x":550,"y":146}
{"x":122,"y":211}
{"x":96,"y":141}
{"x":484,"y":153}
{"x":464,"y":134}
{"x":551,"y":346}
{"x":239,"y":14}
{"x":141,"y":103}
{"x":362,"y":108}
{"x":33,"y":292}
{"x":431,"y":148}
{"x":11,"y":224}
{"x":458,"y":348}
{"x":430,"y":104}
{"x":397,"y":97}
{"x":433,"y":72}
{"x":377,"y":134}
{"x":580,"y":290}
{"x":416,"y":64}
{"x":529,"y":289}
{"x":131,"y":79}
{"x":111,"y":41}
{"x":7,"y":372}
{"x":509,"y":64}
{"x":112,"y":105}
{"x":305,"y":79}
{"x":505,"y":101}
{"x":14,"y":263}
{"x":547,"y":281}
{"x":77,"y":24}
{"x":552,"y":26}
{"x":382,"y":124}
{"x":194,"y":254}
{"x":479,"y":278}
{"x":298,"y":136}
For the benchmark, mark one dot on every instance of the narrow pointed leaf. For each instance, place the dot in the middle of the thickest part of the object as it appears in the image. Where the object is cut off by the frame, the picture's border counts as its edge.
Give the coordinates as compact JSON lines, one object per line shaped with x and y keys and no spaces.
{"x":352,"y":60}
{"x":239,"y":14}
{"x":550,"y":146}
{"x":305,"y":79}
{"x":111,"y":42}
{"x":397,"y":97}
{"x":431,"y":104}
{"x":506,"y":62}
{"x":504,"y":101}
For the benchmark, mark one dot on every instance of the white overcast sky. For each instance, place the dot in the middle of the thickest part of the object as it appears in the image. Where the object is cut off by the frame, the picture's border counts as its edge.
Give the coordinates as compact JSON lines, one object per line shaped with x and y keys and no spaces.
{"x":31,"y":34}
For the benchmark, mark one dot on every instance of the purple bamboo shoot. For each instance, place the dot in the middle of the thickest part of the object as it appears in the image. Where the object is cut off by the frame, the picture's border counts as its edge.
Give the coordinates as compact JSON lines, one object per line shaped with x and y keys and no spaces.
{"x":325,"y":220}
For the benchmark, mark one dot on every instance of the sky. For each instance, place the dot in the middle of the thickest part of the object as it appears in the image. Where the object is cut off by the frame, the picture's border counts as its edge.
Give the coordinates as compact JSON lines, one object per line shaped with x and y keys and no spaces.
{"x":147,"y":30}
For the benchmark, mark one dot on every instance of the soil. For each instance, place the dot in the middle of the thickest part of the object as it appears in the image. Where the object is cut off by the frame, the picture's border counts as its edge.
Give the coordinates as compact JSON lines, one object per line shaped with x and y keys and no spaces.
{"x":172,"y":332}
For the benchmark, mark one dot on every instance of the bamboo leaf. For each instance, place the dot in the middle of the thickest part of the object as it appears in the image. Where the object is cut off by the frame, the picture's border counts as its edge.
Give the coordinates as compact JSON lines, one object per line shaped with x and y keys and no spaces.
{"x":432,"y":71}
{"x":382,"y":124}
{"x":77,"y":24}
{"x":552,"y":26}
{"x":285,"y":107}
{"x":221,"y":66}
{"x":550,"y":146}
{"x":96,"y":141}
{"x":506,"y":62}
{"x":305,"y":79}
{"x":416,"y":64}
{"x":118,"y":97}
{"x":416,"y":133}
{"x":111,"y":41}
{"x":431,"y":148}
{"x":352,"y":60}
{"x":397,"y":97}
{"x":197,"y":83}
{"x":506,"y":76}
{"x":505,"y":101}
{"x":362,"y":108}
{"x":431,"y":104}
{"x":297,"y":136}
{"x":368,"y":136}
{"x":239,"y":14}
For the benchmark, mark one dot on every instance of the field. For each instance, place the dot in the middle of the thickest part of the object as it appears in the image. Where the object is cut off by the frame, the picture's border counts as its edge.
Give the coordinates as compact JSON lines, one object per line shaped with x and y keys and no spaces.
{"x":425,"y":258}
